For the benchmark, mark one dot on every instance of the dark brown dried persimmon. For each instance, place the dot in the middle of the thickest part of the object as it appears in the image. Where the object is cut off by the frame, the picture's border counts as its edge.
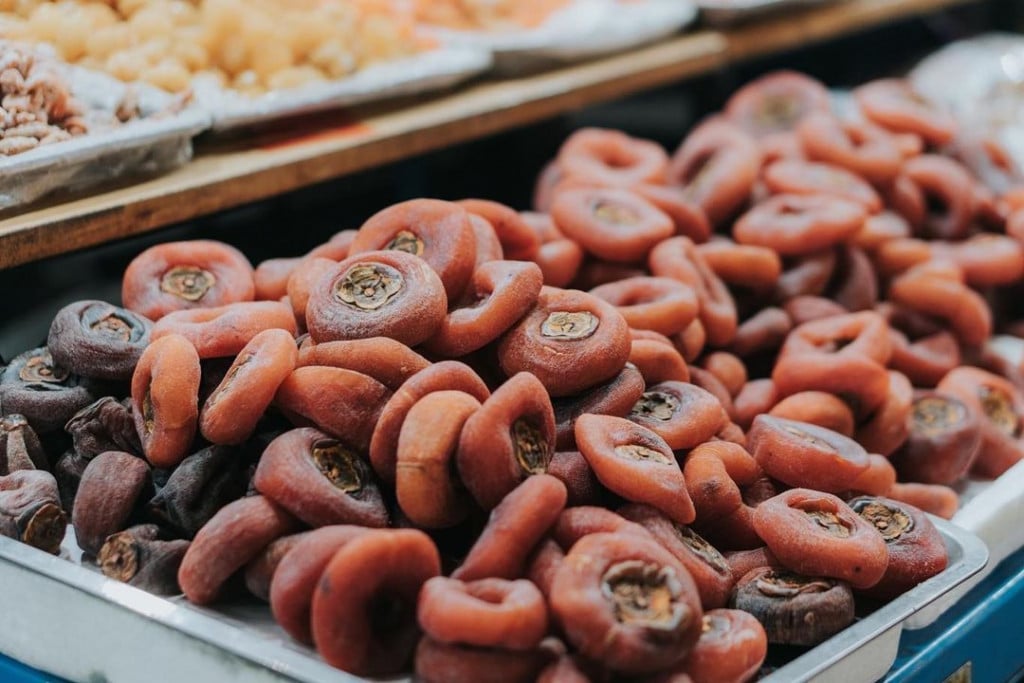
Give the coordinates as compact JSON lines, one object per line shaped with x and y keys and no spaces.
{"x":801,"y":454}
{"x":320,"y":480}
{"x":843,"y":355}
{"x":626,"y":602}
{"x":854,"y":284}
{"x":817,"y":408}
{"x":271,"y":278}
{"x":571,"y":341}
{"x":615,"y":397}
{"x":817,"y":534}
{"x":112,"y":490}
{"x":810,"y":178}
{"x":518,"y":240}
{"x":794,"y":609}
{"x":573,"y":470}
{"x":1000,"y":405}
{"x":934,"y":499}
{"x":656,"y":360}
{"x":47,"y":395}
{"x":30,"y":510}
{"x":225,"y":330}
{"x":681,"y":413}
{"x":178,"y":275}
{"x":500,"y":293}
{"x":893,"y":104}
{"x":443,"y":376}
{"x":139,"y":557}
{"x":511,"y":437}
{"x":438,"y":232}
{"x":485,"y":613}
{"x":942,"y":294}
{"x":796,"y":225}
{"x":757,"y":396}
{"x":364,"y":607}
{"x":635,"y":463}
{"x":717,"y":166}
{"x":575,"y":523}
{"x":916,"y":549}
{"x":742,"y":264}
{"x":776,"y":102}
{"x":612,"y":158}
{"x":165,"y":399}
{"x":731,"y":649}
{"x":660,"y":304}
{"x":862,"y":149}
{"x":943,"y":442}
{"x":714,"y":473}
{"x":611,"y":223}
{"x":378,"y":294}
{"x":679,"y":259}
{"x":225,"y":544}
{"x":440,"y":663}
{"x":297,"y":574}
{"x":708,"y":567}
{"x":426,"y":487}
{"x":341,"y":402}
{"x":766,"y":330}
{"x":388,"y":361}
{"x":97,"y":339}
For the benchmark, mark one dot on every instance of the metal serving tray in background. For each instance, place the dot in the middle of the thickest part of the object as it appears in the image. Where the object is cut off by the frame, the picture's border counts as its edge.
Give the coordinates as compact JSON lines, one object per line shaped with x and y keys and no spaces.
{"x":73,"y":622}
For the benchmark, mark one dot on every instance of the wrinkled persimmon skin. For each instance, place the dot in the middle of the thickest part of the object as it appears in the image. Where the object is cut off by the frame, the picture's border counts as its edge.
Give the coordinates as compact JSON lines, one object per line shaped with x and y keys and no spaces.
{"x":577,"y":522}
{"x":616,"y":397}
{"x":514,"y":528}
{"x":208,"y":273}
{"x":443,"y":376}
{"x":818,"y":408}
{"x":483,"y":613}
{"x":343,"y":403}
{"x":916,"y":553}
{"x":440,"y":663}
{"x":1000,"y":406}
{"x":571,"y":341}
{"x":611,"y":223}
{"x":589,"y":617}
{"x":518,"y":240}
{"x":683,"y":414}
{"x":225,"y":330}
{"x":226,"y":543}
{"x":290,"y":474}
{"x":714,"y":473}
{"x":412,"y":309}
{"x":635,"y":463}
{"x":294,"y":581}
{"x":934,"y":499}
{"x":500,"y":293}
{"x":731,"y":648}
{"x":717,"y":165}
{"x":231,"y":413}
{"x":944,"y":439}
{"x":426,"y":490}
{"x":511,"y":437}
{"x":887,"y":428}
{"x":708,"y":567}
{"x":663,"y":305}
{"x":386,"y":360}
{"x":805,"y":455}
{"x":165,"y":399}
{"x":387,"y":566}
{"x":443,"y":234}
{"x":856,"y":553}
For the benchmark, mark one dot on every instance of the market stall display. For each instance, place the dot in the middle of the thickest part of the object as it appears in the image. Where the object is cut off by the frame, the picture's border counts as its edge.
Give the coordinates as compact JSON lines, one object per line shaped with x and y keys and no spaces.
{"x":756,"y":422}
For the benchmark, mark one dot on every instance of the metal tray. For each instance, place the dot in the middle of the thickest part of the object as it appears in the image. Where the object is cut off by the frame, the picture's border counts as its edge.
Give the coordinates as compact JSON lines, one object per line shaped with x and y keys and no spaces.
{"x":729,"y":12}
{"x":71,"y":621}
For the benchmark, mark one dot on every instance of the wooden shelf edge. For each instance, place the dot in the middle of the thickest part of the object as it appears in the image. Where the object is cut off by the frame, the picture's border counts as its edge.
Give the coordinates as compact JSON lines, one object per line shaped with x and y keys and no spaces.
{"x":221,"y":177}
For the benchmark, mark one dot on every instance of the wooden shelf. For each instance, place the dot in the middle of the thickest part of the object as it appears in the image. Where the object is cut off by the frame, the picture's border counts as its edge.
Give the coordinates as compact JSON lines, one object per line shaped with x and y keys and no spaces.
{"x":227,"y":173}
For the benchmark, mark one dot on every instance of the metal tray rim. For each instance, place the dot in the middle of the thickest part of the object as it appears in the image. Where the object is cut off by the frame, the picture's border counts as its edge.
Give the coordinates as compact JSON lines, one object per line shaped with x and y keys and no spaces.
{"x":279,"y":658}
